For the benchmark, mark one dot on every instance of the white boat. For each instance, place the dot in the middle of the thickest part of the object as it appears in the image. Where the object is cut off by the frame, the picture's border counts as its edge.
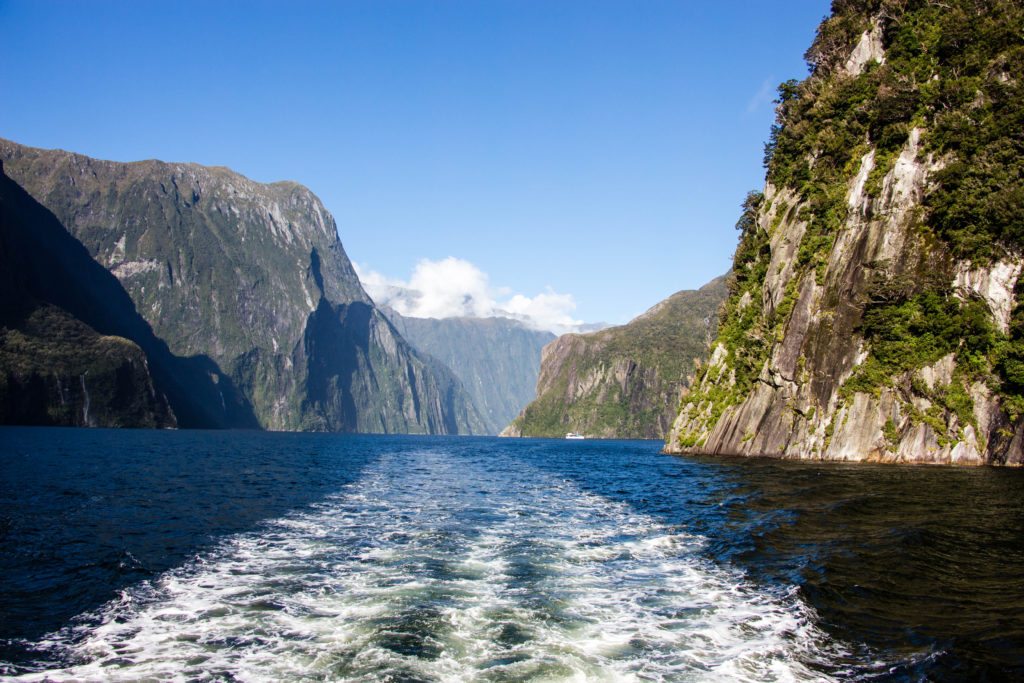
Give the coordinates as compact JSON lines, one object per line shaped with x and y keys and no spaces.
{"x":574,"y":435}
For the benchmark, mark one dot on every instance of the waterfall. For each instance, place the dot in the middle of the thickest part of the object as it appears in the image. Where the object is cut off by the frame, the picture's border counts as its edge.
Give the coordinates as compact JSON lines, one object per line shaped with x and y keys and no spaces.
{"x":85,"y":407}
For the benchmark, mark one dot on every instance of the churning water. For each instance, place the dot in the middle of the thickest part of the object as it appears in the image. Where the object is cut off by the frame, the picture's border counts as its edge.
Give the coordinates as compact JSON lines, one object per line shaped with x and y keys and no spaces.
{"x":213,"y":556}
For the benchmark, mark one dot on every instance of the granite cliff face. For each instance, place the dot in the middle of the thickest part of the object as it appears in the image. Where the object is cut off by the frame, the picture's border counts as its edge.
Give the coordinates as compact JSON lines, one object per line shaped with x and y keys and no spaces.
{"x":248,"y":282}
{"x":623,"y":382}
{"x":496,"y":359}
{"x":875,"y":308}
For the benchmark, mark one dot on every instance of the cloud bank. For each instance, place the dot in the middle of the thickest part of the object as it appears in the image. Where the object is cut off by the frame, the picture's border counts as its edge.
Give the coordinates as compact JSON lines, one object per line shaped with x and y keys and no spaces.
{"x":453,"y":287}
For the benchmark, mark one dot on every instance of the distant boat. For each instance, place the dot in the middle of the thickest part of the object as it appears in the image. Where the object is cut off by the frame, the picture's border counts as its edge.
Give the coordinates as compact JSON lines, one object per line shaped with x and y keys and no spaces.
{"x":574,"y":435}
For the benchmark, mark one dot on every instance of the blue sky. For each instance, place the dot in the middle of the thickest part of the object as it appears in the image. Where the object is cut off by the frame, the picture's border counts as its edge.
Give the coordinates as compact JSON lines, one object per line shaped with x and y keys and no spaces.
{"x":592,"y":149}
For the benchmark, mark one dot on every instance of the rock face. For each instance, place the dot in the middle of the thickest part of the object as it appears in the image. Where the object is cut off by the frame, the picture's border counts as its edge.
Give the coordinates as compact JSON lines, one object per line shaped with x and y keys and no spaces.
{"x":496,"y":359}
{"x":623,"y":382}
{"x":54,"y":368}
{"x":57,"y":371}
{"x":875,"y":311}
{"x":250,"y":285}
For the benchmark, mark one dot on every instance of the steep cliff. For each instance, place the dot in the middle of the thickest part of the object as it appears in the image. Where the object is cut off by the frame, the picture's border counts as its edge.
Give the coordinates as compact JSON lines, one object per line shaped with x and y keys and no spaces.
{"x":623,"y":382}
{"x":875,"y":311}
{"x":58,"y":371}
{"x":54,"y":368}
{"x":496,"y":359}
{"x":249,"y":282}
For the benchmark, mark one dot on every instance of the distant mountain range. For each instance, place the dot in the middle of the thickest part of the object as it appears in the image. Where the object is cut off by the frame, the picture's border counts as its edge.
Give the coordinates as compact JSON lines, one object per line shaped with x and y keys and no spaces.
{"x":625,"y":381}
{"x":161,"y":294}
{"x":237,"y":296}
{"x":497,"y":359}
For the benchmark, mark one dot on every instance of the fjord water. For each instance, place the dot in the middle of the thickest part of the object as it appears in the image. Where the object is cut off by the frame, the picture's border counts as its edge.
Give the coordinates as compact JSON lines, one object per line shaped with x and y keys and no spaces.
{"x":258,"y":556}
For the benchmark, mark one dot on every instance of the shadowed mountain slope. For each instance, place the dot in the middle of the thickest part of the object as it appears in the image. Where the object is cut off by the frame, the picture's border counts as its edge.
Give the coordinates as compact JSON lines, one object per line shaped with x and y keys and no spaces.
{"x":497,"y":359}
{"x":249,"y":285}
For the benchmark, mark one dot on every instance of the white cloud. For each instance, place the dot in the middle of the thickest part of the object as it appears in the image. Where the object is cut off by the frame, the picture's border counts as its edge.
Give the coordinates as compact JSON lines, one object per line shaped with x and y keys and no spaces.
{"x":453,"y":287}
{"x":548,"y":311}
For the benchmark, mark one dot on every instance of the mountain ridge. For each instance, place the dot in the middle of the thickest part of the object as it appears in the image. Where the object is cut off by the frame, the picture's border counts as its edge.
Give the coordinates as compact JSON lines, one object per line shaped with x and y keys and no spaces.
{"x":623,"y":381}
{"x":497,"y":359}
{"x":239,"y":272}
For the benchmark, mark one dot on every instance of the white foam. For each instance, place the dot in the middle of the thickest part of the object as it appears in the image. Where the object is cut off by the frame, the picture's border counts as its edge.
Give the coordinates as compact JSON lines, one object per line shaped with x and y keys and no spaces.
{"x":388,"y":577}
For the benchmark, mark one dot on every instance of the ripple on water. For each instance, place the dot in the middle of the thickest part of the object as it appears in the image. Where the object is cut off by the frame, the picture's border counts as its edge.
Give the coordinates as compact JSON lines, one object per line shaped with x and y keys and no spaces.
{"x":433,"y":567}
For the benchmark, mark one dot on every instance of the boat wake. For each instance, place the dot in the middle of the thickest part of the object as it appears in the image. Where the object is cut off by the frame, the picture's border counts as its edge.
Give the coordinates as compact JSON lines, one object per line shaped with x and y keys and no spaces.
{"x":435,"y":566}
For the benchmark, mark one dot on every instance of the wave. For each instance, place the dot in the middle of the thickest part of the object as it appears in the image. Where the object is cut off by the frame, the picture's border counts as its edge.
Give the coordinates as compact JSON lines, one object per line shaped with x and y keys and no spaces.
{"x":436,"y":566}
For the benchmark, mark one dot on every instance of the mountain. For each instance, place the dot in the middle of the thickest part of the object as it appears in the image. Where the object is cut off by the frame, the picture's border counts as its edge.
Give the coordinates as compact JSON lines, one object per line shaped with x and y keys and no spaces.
{"x":623,"y":382}
{"x":496,"y":359}
{"x":54,"y":368}
{"x":876,"y":309}
{"x":247,"y":289}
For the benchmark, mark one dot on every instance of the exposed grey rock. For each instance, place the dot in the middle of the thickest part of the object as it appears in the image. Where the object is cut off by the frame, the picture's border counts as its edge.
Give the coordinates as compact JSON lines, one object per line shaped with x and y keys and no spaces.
{"x":252,"y":279}
{"x":496,"y":359}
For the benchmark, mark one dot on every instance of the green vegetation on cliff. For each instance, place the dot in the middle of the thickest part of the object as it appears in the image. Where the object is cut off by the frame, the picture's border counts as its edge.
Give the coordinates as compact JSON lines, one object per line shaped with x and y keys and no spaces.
{"x":952,"y":69}
{"x":743,"y":328}
{"x":623,"y":382}
{"x":893,"y":219}
{"x":54,"y":368}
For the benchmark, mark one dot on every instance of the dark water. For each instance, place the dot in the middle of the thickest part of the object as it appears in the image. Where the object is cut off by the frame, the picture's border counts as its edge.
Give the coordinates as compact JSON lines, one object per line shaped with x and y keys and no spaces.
{"x":252,"y":556}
